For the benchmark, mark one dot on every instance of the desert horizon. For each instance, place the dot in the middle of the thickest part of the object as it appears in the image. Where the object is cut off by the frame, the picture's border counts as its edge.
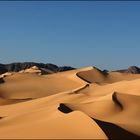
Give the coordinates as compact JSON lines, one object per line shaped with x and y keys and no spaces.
{"x":85,"y":103}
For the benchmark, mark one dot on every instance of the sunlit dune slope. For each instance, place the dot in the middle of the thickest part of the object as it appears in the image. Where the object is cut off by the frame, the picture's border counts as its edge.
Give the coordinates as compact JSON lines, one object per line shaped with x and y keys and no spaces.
{"x":23,"y":85}
{"x":40,"y":123}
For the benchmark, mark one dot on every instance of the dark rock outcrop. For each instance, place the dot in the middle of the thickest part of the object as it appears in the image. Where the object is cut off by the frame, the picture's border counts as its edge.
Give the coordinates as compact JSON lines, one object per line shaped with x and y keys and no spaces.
{"x":65,"y":68}
{"x":105,"y":71}
{"x":131,"y":69}
{"x":2,"y":68}
{"x":15,"y":67}
{"x":1,"y":80}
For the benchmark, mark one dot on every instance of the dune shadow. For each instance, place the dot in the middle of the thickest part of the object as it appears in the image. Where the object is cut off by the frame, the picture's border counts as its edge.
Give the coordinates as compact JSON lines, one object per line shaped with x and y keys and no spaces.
{"x":2,"y":117}
{"x":1,"y":81}
{"x":82,"y":89}
{"x":6,"y":101}
{"x":115,"y":99}
{"x":77,"y":74}
{"x":63,"y":108}
{"x":115,"y":132}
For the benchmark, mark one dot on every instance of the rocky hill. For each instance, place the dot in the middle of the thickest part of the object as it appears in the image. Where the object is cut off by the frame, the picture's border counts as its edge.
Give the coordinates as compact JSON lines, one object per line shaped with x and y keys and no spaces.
{"x":131,"y":69}
{"x":16,"y":67}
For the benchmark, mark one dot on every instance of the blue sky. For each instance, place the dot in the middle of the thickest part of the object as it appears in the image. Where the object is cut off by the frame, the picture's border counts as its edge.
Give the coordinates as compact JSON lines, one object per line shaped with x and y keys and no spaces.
{"x":103,"y":34}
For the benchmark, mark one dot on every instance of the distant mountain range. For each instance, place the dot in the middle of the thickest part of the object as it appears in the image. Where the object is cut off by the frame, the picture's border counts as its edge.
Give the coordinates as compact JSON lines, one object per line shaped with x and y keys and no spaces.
{"x":52,"y":68}
{"x":16,"y":67}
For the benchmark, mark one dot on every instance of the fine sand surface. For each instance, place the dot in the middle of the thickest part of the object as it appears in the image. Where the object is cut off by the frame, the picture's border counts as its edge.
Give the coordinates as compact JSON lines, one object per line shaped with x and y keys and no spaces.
{"x":79,"y":104}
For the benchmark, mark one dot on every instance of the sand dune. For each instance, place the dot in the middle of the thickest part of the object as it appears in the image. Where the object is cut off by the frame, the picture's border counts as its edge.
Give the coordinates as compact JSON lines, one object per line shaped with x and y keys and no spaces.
{"x":51,"y":124}
{"x":83,"y":103}
{"x":94,"y":75}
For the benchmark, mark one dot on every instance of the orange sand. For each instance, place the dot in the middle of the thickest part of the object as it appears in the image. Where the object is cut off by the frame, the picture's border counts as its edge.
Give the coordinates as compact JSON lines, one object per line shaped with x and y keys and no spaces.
{"x":29,"y":105}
